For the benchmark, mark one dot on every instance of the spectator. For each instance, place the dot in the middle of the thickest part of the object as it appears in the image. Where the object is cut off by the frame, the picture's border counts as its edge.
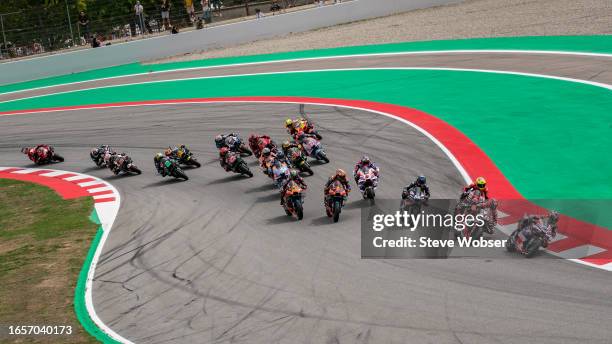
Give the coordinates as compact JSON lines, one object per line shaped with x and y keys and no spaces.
{"x":258,"y":13}
{"x":84,"y":25}
{"x":175,"y":30}
{"x":139,"y":16}
{"x":275,"y":7}
{"x":190,"y":10}
{"x":165,"y":13}
{"x":216,"y":5}
{"x":206,"y":11}
{"x":94,"y":42}
{"x":321,"y":3}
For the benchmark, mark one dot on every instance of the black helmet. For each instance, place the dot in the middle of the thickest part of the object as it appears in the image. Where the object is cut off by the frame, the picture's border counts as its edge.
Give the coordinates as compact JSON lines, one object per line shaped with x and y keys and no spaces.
{"x":265,"y":151}
{"x":553,"y":217}
{"x":421,"y":180}
{"x":365,"y":159}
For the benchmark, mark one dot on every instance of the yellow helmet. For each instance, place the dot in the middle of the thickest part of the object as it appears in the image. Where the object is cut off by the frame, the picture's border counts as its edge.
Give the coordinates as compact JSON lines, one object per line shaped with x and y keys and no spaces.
{"x":286,"y":144}
{"x":288,"y":122}
{"x":481,"y":183}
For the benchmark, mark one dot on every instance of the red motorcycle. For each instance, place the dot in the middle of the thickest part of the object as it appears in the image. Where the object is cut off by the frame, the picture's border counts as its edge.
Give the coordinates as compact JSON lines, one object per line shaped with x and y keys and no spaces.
{"x":42,"y":154}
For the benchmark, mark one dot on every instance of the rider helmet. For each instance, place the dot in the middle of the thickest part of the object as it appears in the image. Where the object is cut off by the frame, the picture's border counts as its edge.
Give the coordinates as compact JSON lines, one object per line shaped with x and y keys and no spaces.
{"x":286,"y":144}
{"x":421,"y":180}
{"x":553,"y":217}
{"x":168,"y":151}
{"x":288,"y":122}
{"x":219,"y":141}
{"x":365,"y":160}
{"x":293,"y":173}
{"x":158,"y":157}
{"x":265,"y":151}
{"x":340,"y":173}
{"x":25,"y":150}
{"x":481,"y":183}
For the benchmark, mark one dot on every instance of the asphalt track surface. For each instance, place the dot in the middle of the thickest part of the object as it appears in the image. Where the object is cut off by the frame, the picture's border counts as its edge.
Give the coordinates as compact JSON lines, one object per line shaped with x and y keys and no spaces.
{"x":215,"y":259}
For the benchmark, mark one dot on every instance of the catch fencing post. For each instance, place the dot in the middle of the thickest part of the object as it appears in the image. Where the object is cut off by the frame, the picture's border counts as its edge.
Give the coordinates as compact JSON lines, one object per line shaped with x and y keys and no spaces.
{"x":69,"y":22}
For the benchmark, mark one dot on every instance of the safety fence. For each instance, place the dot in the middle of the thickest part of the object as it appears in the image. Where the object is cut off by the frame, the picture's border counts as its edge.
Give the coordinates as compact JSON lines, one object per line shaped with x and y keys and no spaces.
{"x":66,"y":24}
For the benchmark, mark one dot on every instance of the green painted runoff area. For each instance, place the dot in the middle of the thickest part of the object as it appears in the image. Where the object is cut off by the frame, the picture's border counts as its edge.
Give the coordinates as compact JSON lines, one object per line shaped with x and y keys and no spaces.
{"x":585,"y":44}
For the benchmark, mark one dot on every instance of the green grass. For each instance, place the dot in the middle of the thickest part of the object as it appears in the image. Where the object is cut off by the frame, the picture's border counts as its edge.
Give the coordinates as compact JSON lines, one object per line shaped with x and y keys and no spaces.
{"x":43,"y":243}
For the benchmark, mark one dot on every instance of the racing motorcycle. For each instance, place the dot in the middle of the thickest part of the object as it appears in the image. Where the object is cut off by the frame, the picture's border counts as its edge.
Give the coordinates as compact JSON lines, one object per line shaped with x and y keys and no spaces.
{"x":174,"y":169}
{"x":335,"y":201}
{"x":294,"y":200}
{"x":235,"y":144}
{"x":475,"y":204}
{"x":298,"y":160}
{"x":367,"y":181}
{"x":413,"y":201}
{"x":280,"y":172}
{"x":258,"y":143}
{"x":528,"y":237}
{"x":185,"y":157}
{"x":122,"y":163}
{"x":101,"y":156}
{"x":313,"y":148}
{"x":42,"y":154}
{"x":238,"y":165}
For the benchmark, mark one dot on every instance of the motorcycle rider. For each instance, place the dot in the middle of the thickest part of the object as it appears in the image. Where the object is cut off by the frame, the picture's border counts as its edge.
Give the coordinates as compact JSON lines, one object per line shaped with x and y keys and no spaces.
{"x":340,"y":176}
{"x":295,"y":176}
{"x":421,"y":183}
{"x":116,"y":162}
{"x":37,"y":153}
{"x":301,"y":125}
{"x":160,"y":164}
{"x":100,"y":152}
{"x":175,"y":152}
{"x":479,"y":184}
{"x":530,"y":225}
{"x":223,"y":140}
{"x":287,"y":145}
{"x":224,"y":154}
{"x":365,"y":163}
{"x":259,"y":142}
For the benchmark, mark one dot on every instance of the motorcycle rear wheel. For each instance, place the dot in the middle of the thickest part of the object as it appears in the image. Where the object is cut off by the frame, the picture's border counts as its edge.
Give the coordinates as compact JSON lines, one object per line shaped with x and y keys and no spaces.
{"x":195,"y":163}
{"x":57,"y":157}
{"x":135,"y":170}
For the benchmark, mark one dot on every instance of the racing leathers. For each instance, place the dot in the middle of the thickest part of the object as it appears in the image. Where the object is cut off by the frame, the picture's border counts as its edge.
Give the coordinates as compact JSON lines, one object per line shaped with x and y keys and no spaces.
{"x":424,"y":189}
{"x":473,"y":187}
{"x":341,"y":179}
{"x":296,"y":178}
{"x":365,"y":167}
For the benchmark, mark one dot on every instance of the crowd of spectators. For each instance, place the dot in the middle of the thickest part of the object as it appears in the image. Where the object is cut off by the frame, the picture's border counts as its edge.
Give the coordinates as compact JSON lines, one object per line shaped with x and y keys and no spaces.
{"x":149,"y":21}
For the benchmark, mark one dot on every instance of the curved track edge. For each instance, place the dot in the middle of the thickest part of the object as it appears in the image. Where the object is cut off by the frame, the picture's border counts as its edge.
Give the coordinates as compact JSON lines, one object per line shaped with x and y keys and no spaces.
{"x":106,"y":207}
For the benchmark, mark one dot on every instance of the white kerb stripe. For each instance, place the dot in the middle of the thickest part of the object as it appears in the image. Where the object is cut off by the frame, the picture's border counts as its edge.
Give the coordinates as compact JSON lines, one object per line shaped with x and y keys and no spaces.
{"x":55,"y":173}
{"x":93,"y":182}
{"x":26,"y":171}
{"x":76,"y":178}
{"x":103,"y":188}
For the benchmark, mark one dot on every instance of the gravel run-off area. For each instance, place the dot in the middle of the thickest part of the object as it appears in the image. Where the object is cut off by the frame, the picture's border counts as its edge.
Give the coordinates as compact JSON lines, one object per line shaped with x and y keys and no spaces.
{"x":472,"y":18}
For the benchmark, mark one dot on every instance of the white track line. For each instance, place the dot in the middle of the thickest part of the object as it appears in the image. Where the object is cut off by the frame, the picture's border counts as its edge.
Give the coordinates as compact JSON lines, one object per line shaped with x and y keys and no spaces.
{"x":425,"y":52}
{"x":580,"y":81}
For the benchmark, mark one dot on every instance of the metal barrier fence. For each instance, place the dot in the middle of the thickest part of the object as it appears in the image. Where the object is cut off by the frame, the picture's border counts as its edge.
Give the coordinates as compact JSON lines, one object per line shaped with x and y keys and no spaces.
{"x":62,"y":25}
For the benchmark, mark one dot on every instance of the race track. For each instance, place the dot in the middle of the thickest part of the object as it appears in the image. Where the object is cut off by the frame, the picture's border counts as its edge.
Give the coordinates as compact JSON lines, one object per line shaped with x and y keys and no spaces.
{"x":215,"y":260}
